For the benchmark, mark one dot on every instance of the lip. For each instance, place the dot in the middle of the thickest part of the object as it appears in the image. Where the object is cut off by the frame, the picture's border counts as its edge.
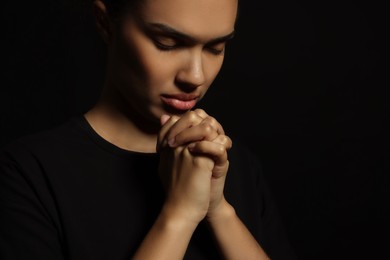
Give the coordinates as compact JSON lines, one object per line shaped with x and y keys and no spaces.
{"x":180,"y":101}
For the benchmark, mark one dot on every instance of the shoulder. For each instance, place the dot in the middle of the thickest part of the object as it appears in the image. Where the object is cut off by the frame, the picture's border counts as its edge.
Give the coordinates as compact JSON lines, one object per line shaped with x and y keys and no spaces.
{"x":28,"y":148}
{"x":33,"y":163}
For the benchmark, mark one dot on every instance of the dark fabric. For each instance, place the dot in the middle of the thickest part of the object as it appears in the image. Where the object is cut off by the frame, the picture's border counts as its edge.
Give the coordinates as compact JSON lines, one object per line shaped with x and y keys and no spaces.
{"x":66,"y":193}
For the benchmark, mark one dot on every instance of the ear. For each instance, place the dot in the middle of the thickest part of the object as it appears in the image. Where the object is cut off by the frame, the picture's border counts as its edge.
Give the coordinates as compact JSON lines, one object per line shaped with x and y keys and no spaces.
{"x":102,"y":19}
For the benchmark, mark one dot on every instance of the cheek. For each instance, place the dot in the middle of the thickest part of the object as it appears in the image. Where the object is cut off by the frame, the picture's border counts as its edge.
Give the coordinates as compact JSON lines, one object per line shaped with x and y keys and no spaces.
{"x":211,"y":67}
{"x":154,"y":67}
{"x":142,"y":71}
{"x":159,"y":67}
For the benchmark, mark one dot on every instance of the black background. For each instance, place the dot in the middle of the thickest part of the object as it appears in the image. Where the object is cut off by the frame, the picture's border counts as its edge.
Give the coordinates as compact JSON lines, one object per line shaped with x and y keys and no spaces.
{"x":303,"y":84}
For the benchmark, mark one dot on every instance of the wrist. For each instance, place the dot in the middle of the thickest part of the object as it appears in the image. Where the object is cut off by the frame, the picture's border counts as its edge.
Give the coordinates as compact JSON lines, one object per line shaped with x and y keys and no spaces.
{"x":220,"y":214}
{"x":172,"y":217}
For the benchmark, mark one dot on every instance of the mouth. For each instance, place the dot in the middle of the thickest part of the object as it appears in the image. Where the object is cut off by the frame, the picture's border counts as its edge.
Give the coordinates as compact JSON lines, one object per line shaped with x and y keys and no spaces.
{"x":180,"y":102}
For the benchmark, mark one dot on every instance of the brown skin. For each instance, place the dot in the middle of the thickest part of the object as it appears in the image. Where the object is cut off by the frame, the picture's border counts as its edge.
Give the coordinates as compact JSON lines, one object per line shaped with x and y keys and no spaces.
{"x":147,"y":63}
{"x":134,"y":60}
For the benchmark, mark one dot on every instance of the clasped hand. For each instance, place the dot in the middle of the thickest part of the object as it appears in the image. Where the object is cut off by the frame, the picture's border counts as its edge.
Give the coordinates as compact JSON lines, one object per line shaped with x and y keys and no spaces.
{"x":193,"y":164}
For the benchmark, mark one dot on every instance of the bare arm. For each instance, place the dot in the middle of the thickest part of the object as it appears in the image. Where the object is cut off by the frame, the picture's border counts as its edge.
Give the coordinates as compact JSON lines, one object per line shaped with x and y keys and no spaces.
{"x":168,"y":239}
{"x":193,"y":169}
{"x":232,"y":236}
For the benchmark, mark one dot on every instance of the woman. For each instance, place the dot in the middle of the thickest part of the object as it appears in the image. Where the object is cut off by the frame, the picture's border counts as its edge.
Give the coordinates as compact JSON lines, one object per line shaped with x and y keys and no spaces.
{"x":144,"y":174}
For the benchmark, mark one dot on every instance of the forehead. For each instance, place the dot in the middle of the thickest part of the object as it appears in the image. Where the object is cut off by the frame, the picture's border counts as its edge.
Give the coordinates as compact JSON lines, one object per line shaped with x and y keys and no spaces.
{"x":198,"y":18}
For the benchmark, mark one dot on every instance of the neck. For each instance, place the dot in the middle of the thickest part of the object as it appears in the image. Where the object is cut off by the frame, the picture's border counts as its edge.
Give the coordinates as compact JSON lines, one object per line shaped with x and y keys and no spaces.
{"x":121,"y":127}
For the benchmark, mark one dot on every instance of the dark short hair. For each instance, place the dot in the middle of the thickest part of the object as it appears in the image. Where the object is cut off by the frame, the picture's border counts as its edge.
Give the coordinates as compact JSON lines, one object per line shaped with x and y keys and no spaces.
{"x":116,"y":8}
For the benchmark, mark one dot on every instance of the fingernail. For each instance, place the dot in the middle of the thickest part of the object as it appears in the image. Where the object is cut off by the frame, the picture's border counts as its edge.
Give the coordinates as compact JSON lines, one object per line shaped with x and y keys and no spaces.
{"x":191,"y":146}
{"x":164,"y":119}
{"x":171,"y":142}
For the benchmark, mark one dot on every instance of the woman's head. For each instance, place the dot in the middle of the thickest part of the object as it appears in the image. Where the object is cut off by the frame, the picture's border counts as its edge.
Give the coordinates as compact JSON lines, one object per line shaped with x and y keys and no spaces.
{"x":163,"y":54}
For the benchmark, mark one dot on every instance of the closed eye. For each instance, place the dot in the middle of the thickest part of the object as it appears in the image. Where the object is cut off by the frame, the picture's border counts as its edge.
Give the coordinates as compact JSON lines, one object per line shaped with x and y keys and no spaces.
{"x":166,"y":38}
{"x":216,"y":49}
{"x":165,"y":43}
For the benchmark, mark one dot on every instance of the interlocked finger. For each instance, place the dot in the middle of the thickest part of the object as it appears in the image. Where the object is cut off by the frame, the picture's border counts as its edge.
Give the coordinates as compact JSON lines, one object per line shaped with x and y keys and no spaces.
{"x":224,"y":140}
{"x":161,"y":140}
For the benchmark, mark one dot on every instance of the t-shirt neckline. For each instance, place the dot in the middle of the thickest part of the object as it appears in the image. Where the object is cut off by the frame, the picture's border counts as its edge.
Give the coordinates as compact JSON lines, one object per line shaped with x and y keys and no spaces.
{"x":100,"y":141}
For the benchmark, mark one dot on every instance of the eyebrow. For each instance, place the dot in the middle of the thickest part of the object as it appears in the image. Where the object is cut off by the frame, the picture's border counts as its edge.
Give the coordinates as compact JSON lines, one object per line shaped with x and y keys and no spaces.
{"x":177,"y":34}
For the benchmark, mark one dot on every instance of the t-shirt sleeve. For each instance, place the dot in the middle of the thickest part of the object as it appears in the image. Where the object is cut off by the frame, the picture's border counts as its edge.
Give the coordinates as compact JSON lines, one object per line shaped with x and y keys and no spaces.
{"x":27,"y":229}
{"x":275,"y":239}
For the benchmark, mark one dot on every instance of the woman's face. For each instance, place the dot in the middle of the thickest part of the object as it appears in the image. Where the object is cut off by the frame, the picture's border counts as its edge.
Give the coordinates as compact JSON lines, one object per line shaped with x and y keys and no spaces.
{"x":164,"y":57}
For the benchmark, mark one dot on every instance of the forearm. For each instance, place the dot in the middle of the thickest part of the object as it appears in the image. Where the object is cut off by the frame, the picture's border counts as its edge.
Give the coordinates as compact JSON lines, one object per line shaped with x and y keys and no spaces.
{"x":233,"y":238}
{"x":167,"y":239}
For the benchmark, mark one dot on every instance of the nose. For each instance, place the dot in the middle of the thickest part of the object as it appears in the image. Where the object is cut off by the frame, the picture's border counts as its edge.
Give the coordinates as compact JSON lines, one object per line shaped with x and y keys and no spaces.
{"x":191,"y":74}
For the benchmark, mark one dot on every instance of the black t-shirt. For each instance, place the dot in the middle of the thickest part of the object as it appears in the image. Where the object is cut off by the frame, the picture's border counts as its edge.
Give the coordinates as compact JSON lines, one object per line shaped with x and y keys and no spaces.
{"x":67,"y":193}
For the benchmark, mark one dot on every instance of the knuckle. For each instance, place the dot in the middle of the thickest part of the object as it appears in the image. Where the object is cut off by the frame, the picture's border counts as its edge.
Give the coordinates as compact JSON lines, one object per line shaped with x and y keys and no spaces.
{"x":208,"y":128}
{"x":192,"y":116}
{"x":213,"y":121}
{"x":200,"y":111}
{"x":227,"y":141}
{"x":220,"y":151}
